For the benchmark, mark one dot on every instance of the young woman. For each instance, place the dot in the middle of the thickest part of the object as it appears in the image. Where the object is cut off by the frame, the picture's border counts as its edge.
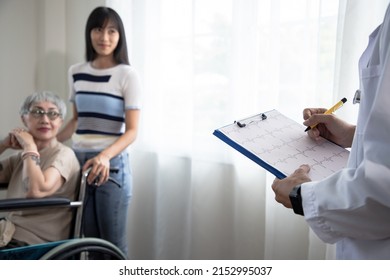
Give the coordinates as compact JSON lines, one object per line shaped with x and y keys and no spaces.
{"x":105,"y":91}
{"x":43,"y":168}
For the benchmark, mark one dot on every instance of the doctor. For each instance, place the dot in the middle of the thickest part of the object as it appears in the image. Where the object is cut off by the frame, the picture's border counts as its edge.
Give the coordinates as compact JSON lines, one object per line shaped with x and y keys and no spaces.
{"x":352,"y":207}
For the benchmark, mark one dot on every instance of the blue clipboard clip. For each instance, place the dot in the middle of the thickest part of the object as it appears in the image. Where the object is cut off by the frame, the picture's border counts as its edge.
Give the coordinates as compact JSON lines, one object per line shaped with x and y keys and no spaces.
{"x":242,"y":124}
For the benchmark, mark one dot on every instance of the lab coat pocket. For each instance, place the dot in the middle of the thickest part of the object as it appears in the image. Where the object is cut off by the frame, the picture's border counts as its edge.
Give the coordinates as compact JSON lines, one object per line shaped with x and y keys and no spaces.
{"x":371,"y":72}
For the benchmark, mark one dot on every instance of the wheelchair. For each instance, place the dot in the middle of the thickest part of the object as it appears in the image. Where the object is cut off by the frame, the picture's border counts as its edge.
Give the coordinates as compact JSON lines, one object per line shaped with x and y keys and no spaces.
{"x":75,"y":248}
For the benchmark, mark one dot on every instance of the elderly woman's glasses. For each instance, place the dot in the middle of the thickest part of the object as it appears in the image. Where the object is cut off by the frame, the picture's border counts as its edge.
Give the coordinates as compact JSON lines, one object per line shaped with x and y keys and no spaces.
{"x":39,"y":113}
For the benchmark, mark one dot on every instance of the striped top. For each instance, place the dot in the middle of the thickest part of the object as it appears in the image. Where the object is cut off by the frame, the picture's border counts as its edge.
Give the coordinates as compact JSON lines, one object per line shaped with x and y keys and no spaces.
{"x":102,"y":96}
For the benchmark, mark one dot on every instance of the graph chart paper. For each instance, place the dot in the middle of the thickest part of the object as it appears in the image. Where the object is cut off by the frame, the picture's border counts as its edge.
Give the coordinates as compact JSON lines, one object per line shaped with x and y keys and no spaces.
{"x":280,"y":145}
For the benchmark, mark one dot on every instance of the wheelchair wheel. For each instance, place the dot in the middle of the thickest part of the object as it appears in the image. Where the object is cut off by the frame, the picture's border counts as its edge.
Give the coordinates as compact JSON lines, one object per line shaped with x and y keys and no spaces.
{"x":85,"y":248}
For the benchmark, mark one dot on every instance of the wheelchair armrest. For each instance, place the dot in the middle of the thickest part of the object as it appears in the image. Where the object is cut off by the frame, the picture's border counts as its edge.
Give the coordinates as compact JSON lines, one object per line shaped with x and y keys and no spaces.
{"x":25,"y":203}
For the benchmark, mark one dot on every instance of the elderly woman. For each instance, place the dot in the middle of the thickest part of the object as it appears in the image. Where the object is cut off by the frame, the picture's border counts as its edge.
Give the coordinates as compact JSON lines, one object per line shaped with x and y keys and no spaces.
{"x":44,"y":167}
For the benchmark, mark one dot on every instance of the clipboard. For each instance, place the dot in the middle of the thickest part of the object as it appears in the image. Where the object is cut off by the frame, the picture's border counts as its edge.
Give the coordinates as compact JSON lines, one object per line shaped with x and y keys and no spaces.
{"x":280,"y":145}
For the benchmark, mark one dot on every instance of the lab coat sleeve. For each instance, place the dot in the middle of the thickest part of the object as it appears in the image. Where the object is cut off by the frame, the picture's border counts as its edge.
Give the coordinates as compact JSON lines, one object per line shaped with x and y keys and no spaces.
{"x":355,"y":202}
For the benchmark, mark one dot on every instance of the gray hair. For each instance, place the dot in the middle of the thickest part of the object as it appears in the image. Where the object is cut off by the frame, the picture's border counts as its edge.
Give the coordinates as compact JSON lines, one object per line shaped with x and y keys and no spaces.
{"x":43,"y":96}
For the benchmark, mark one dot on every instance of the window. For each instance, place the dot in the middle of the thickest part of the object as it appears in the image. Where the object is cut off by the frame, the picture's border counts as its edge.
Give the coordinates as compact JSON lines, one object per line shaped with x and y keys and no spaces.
{"x":207,"y":62}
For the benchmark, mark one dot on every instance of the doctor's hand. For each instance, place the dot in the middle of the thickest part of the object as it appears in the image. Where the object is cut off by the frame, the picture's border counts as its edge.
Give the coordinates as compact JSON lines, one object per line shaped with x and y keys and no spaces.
{"x":283,"y":187}
{"x":328,"y":126}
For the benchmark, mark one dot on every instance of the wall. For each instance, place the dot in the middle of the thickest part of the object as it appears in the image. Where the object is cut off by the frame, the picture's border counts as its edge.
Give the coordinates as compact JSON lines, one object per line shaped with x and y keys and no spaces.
{"x":18,"y":20}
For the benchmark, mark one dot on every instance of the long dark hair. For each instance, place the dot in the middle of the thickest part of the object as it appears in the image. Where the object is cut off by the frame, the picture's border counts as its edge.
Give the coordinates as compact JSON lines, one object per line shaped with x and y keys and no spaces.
{"x":99,"y":17}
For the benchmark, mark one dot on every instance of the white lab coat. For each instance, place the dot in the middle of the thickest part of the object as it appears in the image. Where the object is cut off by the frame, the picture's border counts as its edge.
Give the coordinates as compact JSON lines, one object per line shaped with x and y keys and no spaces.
{"x":352,"y":207}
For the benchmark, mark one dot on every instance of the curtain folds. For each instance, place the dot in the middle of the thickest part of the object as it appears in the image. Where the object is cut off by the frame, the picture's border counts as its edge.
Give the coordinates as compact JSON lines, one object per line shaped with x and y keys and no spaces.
{"x":205,"y":63}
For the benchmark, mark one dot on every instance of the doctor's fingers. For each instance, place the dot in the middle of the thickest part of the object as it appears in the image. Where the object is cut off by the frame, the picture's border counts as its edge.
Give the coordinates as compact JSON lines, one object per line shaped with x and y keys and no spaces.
{"x":302,"y":171}
{"x":308,"y":112}
{"x":300,"y":175}
{"x":316,"y":119}
{"x":282,"y":189}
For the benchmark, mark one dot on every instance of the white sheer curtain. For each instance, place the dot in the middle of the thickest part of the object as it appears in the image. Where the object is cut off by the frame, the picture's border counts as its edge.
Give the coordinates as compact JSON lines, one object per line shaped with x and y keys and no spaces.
{"x":205,"y":63}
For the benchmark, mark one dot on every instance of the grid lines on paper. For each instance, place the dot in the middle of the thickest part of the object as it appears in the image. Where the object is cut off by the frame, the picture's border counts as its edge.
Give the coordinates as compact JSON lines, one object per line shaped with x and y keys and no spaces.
{"x":282,"y":143}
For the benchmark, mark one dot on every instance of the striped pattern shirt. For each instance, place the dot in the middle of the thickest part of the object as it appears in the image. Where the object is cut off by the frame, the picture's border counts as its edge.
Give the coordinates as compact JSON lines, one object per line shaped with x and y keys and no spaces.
{"x":102,"y":96}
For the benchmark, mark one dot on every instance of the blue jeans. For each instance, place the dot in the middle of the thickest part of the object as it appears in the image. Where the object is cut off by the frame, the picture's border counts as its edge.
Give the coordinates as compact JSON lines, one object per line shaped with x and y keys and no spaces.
{"x":106,"y":206}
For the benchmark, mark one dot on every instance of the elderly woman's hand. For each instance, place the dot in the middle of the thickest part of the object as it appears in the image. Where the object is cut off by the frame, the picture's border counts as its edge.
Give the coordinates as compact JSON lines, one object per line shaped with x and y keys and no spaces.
{"x":22,"y":139}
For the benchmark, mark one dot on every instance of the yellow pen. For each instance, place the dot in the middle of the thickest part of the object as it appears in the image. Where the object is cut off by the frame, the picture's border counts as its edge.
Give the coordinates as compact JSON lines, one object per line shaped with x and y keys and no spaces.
{"x":330,"y":111}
